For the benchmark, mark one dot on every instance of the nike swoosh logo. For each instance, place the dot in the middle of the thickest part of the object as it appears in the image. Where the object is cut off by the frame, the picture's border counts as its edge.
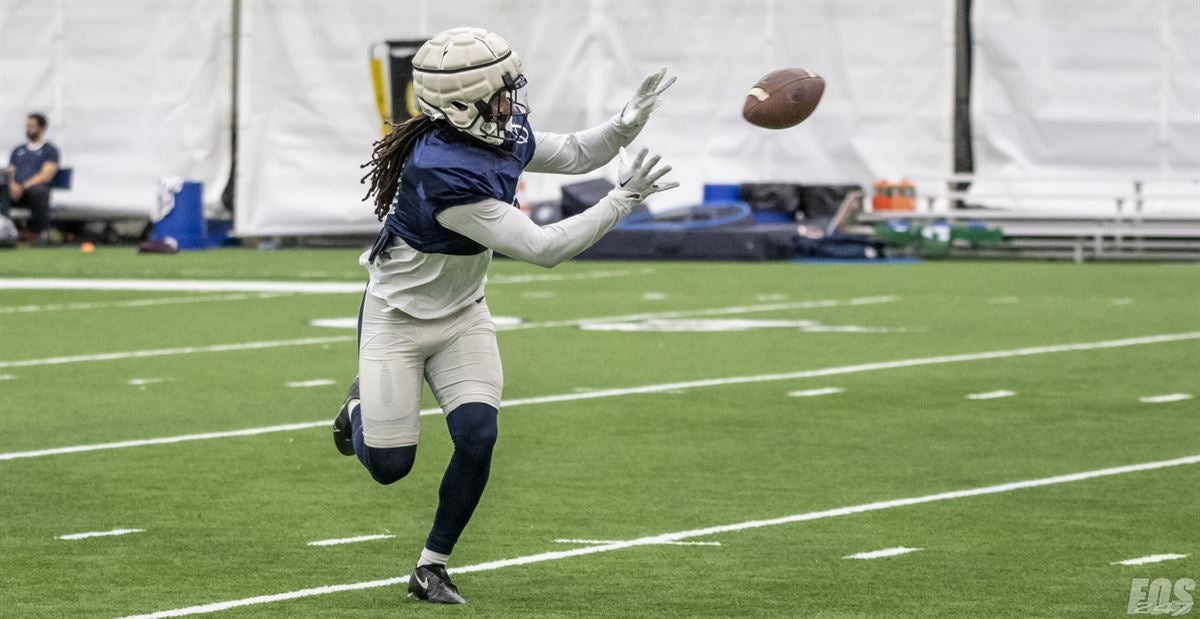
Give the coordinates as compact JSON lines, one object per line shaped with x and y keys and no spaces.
{"x":424,"y":583}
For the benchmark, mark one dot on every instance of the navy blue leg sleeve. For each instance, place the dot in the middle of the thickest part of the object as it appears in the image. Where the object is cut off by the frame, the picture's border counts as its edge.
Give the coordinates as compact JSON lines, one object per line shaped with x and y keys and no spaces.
{"x":387,"y":465}
{"x":473,"y":429}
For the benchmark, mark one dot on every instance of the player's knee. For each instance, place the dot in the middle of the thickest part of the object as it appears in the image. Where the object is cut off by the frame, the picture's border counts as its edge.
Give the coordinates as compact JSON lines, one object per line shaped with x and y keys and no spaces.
{"x":474,"y":431}
{"x":39,"y":192}
{"x":389,"y":465}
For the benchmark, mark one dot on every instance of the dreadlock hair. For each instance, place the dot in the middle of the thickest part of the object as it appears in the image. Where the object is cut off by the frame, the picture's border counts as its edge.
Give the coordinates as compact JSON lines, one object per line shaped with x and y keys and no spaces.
{"x":387,"y":161}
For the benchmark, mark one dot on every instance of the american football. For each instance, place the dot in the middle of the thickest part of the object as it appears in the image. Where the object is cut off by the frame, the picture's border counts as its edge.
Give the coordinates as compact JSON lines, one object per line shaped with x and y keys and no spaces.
{"x":783,"y":98}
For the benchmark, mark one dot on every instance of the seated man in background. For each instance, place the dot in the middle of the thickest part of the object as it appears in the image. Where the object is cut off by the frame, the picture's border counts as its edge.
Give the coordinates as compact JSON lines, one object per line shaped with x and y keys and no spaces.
{"x":31,"y":168}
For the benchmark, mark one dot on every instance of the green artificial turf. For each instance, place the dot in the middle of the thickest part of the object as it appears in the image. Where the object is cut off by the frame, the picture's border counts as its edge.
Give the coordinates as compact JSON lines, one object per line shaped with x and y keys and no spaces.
{"x":229,"y":518}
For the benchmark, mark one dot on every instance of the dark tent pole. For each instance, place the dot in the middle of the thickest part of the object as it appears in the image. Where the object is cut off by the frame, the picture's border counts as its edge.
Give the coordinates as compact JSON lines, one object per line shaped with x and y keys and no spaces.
{"x":964,"y":157}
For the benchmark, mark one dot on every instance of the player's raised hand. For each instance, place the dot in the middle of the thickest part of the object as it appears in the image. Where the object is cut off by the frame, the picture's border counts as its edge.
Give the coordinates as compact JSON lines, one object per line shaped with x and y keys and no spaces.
{"x":646,"y":99}
{"x":641,"y":174}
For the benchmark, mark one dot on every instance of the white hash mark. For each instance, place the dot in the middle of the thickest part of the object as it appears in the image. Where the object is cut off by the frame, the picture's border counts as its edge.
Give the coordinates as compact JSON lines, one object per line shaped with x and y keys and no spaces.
{"x":886,"y":552}
{"x":1148,"y":559}
{"x":991,"y":395}
{"x":808,"y":393}
{"x":318,"y":382}
{"x":1170,"y":397}
{"x":349,"y":540}
{"x":114,"y":532}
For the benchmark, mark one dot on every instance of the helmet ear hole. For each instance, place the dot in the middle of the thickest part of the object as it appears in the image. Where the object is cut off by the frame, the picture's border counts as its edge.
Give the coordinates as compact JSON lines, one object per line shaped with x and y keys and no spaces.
{"x":460,"y":106}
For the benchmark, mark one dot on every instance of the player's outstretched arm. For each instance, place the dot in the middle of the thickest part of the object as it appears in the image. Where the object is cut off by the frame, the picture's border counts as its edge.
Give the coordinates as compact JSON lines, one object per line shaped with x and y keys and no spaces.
{"x":501,"y":227}
{"x":584,"y":151}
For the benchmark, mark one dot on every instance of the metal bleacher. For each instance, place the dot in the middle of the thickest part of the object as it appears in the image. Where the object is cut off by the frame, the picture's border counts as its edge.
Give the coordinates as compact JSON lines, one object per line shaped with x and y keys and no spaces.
{"x":1057,"y":218}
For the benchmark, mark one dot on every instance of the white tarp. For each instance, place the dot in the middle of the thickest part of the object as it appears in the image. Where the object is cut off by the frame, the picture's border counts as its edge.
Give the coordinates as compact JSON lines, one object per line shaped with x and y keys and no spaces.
{"x":1085,"y":98}
{"x":134,"y":91}
{"x":307,"y":115}
{"x":140,"y":89}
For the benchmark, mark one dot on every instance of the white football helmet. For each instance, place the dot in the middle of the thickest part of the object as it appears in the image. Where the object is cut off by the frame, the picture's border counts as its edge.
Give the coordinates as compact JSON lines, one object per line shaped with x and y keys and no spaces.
{"x":471,"y":78}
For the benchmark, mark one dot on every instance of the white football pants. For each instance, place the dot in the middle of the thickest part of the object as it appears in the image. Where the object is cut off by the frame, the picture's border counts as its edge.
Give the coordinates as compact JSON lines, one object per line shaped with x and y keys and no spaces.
{"x":456,"y":354}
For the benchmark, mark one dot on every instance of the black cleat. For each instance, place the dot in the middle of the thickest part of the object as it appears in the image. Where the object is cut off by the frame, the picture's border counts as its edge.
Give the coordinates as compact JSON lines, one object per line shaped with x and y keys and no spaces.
{"x":343,"y":432}
{"x":432,"y":584}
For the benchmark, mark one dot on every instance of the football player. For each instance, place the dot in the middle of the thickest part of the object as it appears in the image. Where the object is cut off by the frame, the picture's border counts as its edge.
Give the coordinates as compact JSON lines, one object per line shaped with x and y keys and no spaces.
{"x":444,"y":182}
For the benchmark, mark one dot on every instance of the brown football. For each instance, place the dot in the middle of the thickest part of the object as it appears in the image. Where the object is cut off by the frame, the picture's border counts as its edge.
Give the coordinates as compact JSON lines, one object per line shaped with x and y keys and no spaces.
{"x":783,"y":98}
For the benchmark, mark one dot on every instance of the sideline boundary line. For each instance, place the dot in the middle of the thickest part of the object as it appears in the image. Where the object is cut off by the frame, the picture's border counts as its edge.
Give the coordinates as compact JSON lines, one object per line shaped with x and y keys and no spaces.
{"x":681,"y":535}
{"x":658,"y":388}
{"x":183,"y":285}
{"x":249,"y":285}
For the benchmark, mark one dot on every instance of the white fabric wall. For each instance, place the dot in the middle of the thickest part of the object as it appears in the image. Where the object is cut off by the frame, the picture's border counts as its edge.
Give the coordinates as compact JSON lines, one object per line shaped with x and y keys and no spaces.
{"x":1088,"y":90}
{"x":307,"y":117}
{"x":139,"y":89}
{"x":135,"y":90}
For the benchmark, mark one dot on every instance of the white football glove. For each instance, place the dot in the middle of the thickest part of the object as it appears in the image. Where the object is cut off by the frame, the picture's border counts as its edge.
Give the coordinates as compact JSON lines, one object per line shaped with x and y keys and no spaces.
{"x":640,"y":176}
{"x":646,"y":99}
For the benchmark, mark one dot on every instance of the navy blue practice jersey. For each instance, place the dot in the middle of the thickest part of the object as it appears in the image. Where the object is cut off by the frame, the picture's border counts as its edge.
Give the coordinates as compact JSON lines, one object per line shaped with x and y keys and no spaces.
{"x":450,"y":168}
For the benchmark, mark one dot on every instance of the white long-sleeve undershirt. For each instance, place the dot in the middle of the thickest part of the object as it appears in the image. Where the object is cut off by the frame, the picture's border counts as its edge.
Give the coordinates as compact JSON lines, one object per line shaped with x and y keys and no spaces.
{"x":582,"y":151}
{"x":500,"y":227}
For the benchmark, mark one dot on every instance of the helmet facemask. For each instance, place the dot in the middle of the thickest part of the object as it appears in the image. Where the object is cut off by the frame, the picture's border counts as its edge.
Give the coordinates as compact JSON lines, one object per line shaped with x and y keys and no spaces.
{"x":473,"y":80}
{"x":500,"y":119}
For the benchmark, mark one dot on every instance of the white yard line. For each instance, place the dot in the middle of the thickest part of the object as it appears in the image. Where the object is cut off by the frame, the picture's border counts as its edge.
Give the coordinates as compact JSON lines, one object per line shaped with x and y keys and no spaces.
{"x":1149,"y":559}
{"x":808,"y":393}
{"x":858,"y":329}
{"x":349,"y":540}
{"x":184,"y":350}
{"x":879,"y":554}
{"x":305,"y":287}
{"x":555,"y":277}
{"x":991,"y":395}
{"x":183,"y":285}
{"x":726,"y":325}
{"x":7,"y":377}
{"x":351,"y":322}
{"x":864,"y":367}
{"x":740,"y":309}
{"x":1170,"y":397}
{"x":718,"y":311}
{"x":89,"y":534}
{"x":660,"y":388}
{"x":204,"y":436}
{"x":318,"y":382}
{"x":22,"y":309}
{"x":611,"y":541}
{"x":682,"y":535}
{"x":139,"y":382}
